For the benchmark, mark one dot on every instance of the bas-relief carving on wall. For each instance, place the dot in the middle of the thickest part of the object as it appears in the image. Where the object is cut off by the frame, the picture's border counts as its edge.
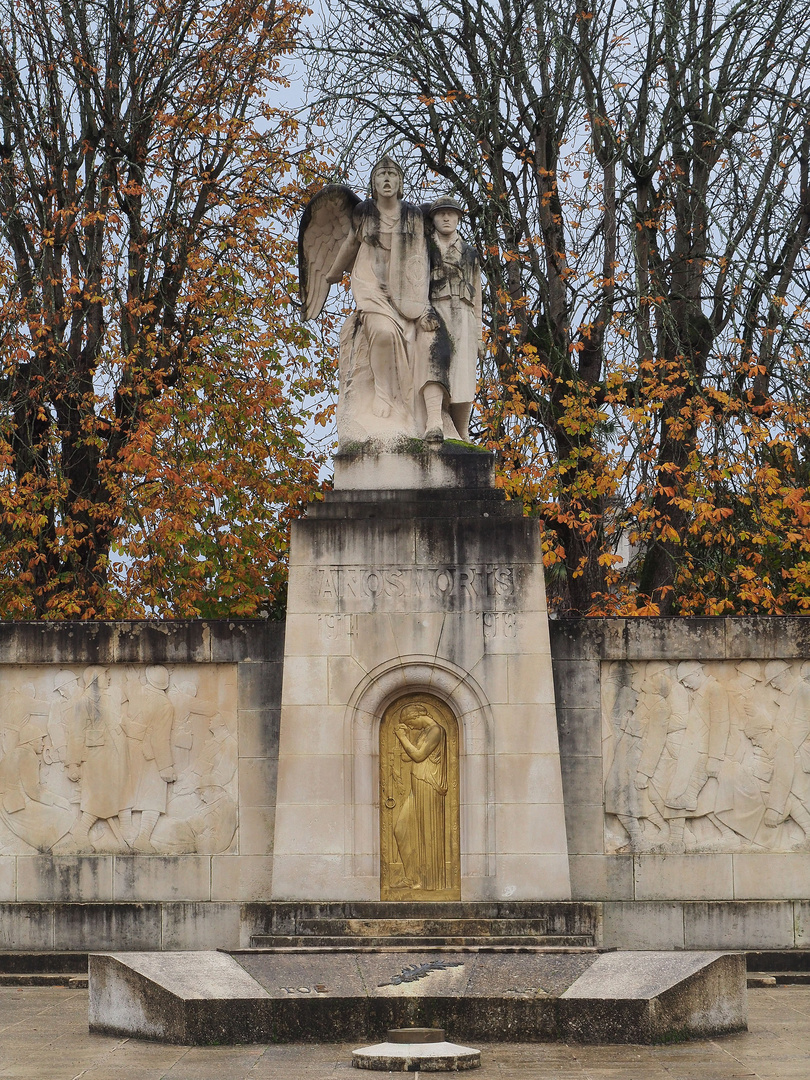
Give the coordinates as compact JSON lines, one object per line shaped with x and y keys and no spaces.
{"x":706,"y":756}
{"x":120,"y":759}
{"x":419,"y":801}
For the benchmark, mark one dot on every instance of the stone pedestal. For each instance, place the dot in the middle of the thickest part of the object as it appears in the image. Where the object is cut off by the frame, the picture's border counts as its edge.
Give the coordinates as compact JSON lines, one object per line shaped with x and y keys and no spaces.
{"x":434,"y":595}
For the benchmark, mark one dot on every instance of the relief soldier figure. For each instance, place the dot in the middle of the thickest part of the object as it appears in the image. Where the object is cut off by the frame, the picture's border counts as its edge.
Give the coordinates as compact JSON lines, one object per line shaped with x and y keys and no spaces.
{"x":87,"y":762}
{"x":455,"y":295}
{"x":725,"y":767}
{"x":151,"y":762}
{"x":32,"y":812}
{"x":96,"y":757}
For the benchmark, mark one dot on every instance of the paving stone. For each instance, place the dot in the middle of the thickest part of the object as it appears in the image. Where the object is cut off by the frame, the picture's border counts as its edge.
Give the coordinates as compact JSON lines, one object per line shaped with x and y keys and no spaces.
{"x":45,"y":1037}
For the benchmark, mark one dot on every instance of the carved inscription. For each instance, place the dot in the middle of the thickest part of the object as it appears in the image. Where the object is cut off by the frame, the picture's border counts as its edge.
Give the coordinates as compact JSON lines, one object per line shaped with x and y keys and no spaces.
{"x":121,"y":759}
{"x":337,"y":627}
{"x":457,"y":586}
{"x":499,"y":624}
{"x":707,"y":756}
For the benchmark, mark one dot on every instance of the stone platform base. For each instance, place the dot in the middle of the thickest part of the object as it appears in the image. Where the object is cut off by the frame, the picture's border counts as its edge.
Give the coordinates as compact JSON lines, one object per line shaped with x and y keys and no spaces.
{"x":323,"y":996}
{"x":192,"y":925}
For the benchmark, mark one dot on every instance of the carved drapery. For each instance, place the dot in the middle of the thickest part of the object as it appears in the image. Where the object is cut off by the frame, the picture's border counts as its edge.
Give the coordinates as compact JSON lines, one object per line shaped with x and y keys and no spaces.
{"x":419,"y":801}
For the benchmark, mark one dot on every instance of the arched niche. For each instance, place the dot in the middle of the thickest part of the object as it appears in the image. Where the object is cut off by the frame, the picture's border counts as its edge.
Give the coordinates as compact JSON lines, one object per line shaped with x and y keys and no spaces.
{"x":461,"y":693}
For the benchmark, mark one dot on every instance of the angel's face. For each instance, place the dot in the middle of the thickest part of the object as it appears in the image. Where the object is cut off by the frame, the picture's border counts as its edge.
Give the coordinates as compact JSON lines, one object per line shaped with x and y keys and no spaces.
{"x":385,"y":182}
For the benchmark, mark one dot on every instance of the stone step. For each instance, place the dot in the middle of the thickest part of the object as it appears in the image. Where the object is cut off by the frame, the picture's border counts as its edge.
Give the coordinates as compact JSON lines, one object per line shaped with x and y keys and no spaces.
{"x":41,"y":962}
{"x":357,"y":948}
{"x":490,"y":918}
{"x":75,"y":981}
{"x":424,"y":927}
{"x":419,"y":941}
{"x":767,"y":961}
{"x":779,"y":978}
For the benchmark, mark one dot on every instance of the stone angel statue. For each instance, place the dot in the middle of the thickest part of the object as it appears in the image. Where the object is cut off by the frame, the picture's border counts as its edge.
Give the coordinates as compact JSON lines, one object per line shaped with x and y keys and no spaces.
{"x":395,"y":350}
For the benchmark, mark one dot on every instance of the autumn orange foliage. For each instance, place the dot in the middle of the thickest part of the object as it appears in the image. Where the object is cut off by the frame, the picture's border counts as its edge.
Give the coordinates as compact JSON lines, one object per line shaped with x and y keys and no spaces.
{"x":157,"y":395}
{"x":637,"y":182}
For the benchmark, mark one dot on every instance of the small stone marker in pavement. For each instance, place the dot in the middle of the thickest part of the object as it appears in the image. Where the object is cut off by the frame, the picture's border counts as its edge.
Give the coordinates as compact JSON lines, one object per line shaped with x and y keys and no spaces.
{"x":412,"y":1049}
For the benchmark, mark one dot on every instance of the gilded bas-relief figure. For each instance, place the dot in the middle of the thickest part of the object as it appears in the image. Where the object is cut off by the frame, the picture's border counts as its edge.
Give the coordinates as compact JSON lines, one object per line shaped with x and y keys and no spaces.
{"x":121,"y":759}
{"x":419,"y":801}
{"x":706,"y":756}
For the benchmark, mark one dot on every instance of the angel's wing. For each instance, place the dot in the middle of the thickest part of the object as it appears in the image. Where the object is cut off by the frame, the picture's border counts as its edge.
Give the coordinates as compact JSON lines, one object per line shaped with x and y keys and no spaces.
{"x":326,"y":223}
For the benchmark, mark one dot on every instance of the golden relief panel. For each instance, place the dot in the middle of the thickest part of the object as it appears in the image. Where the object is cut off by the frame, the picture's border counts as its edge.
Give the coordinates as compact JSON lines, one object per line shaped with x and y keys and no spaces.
{"x":419,"y":801}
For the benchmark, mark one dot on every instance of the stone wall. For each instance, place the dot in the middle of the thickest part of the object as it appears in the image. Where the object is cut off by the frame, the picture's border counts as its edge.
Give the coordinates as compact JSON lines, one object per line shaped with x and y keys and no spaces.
{"x":687,"y":778}
{"x":176,"y":725}
{"x":686,"y":859}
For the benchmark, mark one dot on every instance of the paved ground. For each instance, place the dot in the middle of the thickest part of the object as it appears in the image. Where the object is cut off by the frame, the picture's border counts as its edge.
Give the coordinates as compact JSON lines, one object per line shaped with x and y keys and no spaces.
{"x":43,"y":1036}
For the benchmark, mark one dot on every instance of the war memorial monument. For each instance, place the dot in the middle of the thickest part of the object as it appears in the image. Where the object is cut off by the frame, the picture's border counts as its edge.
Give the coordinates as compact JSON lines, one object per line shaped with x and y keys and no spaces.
{"x":419,"y":801}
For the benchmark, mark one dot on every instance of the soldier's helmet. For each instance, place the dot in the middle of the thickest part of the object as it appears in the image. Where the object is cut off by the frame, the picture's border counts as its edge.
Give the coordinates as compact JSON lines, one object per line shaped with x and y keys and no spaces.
{"x":446,"y":202}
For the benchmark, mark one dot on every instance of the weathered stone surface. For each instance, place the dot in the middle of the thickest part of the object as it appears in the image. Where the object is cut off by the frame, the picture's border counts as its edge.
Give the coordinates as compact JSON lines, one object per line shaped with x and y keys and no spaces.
{"x":656,"y":997}
{"x":646,"y":926}
{"x":115,"y":759}
{"x":702,"y":735}
{"x":194,"y":997}
{"x":196,"y":926}
{"x":705,"y":757}
{"x":739,"y":925}
{"x":416,"y":1057}
{"x":105,"y":926}
{"x":297,"y":996}
{"x":449,"y":467}
{"x":418,"y":612}
{"x":27,"y":926}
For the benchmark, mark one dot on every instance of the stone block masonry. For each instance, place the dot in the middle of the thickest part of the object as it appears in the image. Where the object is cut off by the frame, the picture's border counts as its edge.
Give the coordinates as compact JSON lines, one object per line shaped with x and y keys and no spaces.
{"x":686,"y":771}
{"x":203,"y":884}
{"x":137,"y":781}
{"x":411,"y":619}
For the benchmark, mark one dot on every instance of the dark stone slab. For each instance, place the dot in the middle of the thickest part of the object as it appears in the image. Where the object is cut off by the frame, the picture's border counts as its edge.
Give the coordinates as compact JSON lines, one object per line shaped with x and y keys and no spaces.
{"x":577,"y":684}
{"x":57,"y":642}
{"x":580,"y":731}
{"x":259,"y":685}
{"x":242,"y":640}
{"x":27,"y":926}
{"x":352,"y":505}
{"x":766,"y":637}
{"x":43,"y":963}
{"x":180,"y":641}
{"x":162,"y":642}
